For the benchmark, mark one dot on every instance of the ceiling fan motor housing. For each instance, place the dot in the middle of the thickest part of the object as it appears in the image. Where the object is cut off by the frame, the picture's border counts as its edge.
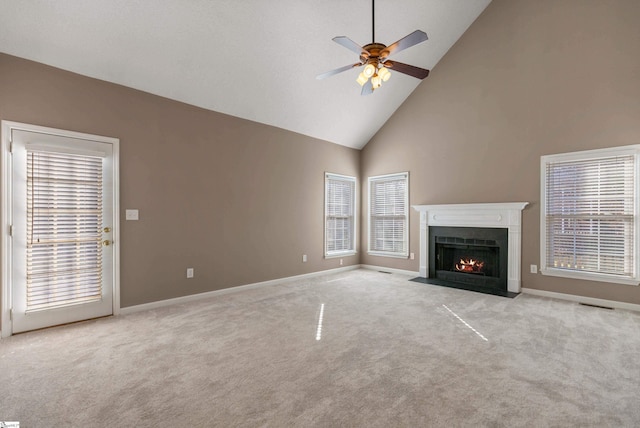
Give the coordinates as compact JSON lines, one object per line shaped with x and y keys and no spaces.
{"x":373,"y":52}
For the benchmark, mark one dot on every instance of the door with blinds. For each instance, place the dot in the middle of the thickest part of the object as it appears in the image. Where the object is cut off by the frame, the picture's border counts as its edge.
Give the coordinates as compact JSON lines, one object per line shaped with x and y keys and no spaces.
{"x":62,"y":229}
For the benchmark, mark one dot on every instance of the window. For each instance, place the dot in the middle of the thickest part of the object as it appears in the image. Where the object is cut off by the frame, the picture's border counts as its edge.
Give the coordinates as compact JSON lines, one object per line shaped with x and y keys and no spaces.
{"x":588,"y":215}
{"x":64,"y":229}
{"x":388,"y":215}
{"x":339,"y":215}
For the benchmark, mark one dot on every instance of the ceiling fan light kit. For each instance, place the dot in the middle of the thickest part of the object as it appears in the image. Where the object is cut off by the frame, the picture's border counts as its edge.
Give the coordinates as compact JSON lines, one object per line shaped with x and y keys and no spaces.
{"x":378,"y":73}
{"x":375,"y":59}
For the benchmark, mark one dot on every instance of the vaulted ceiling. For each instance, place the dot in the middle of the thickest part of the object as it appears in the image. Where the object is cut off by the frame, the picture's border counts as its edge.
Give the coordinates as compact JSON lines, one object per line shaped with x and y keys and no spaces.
{"x":248,"y":58}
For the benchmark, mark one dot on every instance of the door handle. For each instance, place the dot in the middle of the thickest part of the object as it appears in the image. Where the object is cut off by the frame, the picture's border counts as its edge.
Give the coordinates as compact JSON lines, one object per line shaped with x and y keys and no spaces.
{"x":107,"y":229}
{"x":106,"y":243}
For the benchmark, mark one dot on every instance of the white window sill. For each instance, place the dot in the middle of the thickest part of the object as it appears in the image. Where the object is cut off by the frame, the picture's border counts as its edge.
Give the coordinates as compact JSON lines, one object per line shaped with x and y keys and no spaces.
{"x":392,"y":255}
{"x":589,"y":276}
{"x":337,"y":254}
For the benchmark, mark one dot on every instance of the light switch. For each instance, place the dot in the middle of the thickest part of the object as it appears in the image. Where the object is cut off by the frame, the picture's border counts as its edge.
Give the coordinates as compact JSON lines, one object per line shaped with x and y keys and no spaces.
{"x":131,"y":215}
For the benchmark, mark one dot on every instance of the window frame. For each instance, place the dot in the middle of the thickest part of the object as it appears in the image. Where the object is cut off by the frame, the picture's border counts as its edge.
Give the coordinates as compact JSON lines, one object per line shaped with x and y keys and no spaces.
{"x":353,"y":181}
{"x":389,"y":177}
{"x":633,"y":150}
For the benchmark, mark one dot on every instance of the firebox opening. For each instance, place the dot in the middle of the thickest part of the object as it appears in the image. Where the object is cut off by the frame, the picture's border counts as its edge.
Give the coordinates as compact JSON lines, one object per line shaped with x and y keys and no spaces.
{"x":476,"y":257}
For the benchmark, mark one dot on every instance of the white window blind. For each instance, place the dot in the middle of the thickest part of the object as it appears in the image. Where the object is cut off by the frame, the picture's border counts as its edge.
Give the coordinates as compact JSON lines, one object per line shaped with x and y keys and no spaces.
{"x":64,"y":222}
{"x":589,"y":216}
{"x":388,"y":215}
{"x":340,"y":197}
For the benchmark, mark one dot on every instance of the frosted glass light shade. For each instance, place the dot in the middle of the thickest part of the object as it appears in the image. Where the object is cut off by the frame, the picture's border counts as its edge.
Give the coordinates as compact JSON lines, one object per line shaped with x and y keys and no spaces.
{"x":384,"y":74}
{"x":369,"y":70}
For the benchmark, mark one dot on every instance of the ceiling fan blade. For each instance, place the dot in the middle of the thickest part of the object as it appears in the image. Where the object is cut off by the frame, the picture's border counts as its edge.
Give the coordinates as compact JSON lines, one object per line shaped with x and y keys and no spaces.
{"x":412,"y":39}
{"x":336,"y":71}
{"x":350,"y":44}
{"x":417,"y":72}
{"x":367,"y":88}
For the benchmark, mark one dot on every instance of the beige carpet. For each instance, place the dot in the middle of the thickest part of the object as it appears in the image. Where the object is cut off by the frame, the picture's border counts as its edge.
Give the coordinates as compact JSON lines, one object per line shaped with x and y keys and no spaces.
{"x":391,"y":353}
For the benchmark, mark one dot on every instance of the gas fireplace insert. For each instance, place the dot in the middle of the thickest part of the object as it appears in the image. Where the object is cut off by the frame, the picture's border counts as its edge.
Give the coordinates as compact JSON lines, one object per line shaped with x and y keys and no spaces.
{"x":473,"y":258}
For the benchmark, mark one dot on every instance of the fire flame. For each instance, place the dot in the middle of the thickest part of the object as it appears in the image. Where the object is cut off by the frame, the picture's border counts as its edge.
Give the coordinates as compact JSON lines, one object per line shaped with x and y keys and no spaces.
{"x":469,"y":265}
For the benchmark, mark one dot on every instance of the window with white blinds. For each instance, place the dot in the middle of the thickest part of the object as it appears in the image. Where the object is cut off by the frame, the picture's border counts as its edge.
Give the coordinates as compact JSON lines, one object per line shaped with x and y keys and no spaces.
{"x":589,"y":215}
{"x":339,"y":215}
{"x":389,"y":215}
{"x":64,"y":222}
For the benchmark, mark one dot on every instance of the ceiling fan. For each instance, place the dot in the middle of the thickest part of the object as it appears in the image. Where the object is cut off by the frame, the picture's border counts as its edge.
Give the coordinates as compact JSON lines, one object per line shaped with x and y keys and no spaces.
{"x":375,"y":58}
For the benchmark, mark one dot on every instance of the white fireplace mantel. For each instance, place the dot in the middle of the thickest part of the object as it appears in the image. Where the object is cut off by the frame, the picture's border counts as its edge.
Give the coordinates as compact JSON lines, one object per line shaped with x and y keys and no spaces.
{"x":506,"y":215}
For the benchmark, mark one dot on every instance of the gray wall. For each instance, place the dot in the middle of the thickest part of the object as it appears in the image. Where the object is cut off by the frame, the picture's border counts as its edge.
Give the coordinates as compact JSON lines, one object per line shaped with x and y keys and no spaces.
{"x":528,"y":78}
{"x":238,"y":201}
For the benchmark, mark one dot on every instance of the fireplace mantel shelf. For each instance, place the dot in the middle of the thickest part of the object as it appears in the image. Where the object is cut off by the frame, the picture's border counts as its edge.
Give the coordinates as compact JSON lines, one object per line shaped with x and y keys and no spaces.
{"x":485,"y":206}
{"x":506,"y":215}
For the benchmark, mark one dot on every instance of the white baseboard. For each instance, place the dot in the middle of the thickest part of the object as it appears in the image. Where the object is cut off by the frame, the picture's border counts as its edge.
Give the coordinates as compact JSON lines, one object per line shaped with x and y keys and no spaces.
{"x":199,"y":296}
{"x":583,"y":299}
{"x":386,"y":269}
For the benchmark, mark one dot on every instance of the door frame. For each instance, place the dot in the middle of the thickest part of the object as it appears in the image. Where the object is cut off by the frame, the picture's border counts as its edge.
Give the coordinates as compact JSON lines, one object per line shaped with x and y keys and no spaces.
{"x":6,"y":213}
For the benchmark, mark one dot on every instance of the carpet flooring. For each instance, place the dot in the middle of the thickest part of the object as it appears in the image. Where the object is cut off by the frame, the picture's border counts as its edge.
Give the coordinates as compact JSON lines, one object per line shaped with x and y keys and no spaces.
{"x":353,"y":349}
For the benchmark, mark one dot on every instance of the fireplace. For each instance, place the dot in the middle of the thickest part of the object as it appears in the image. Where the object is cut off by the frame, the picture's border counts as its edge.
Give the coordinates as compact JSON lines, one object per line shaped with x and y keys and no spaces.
{"x":500,"y":257}
{"x":472,"y":256}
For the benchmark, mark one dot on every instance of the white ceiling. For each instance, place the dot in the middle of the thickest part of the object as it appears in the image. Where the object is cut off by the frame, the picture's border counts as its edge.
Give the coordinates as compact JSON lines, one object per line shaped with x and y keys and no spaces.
{"x":253,"y":59}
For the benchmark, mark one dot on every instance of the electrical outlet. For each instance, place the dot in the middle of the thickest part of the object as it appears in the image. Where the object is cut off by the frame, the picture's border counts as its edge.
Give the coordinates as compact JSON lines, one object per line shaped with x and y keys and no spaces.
{"x":189,"y":272}
{"x":304,"y":258}
{"x":340,"y":262}
{"x":534,"y":268}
